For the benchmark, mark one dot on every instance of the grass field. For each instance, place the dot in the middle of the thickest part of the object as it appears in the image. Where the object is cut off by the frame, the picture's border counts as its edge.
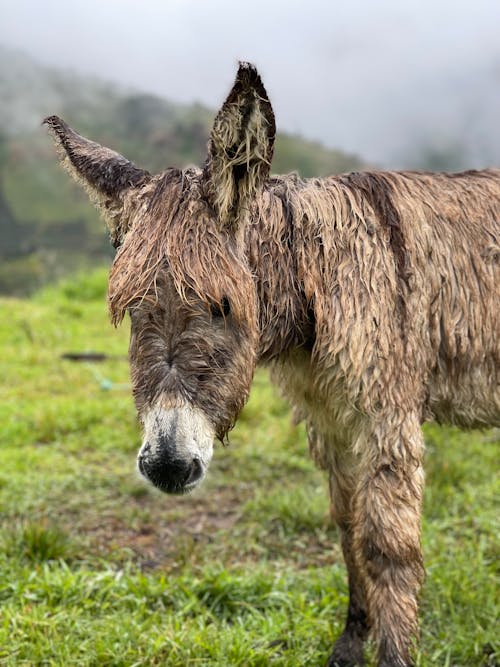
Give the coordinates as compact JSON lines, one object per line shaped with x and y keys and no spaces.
{"x":98,"y":569}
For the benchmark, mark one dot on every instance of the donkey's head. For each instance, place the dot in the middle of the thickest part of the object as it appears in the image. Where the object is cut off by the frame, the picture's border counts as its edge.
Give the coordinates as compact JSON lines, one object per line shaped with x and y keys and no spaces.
{"x":182,"y":274}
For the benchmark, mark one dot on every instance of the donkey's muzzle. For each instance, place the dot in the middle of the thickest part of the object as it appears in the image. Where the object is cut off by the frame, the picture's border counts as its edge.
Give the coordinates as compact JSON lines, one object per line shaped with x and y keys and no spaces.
{"x":177,"y":448}
{"x":171,"y":475}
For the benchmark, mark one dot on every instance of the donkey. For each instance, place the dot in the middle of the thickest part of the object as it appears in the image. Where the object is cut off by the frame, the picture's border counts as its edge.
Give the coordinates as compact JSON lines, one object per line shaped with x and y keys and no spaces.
{"x":372,"y":296}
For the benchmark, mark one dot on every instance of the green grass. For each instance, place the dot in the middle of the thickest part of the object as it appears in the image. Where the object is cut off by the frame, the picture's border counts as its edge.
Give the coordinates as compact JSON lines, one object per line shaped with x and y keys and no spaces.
{"x":98,"y":569}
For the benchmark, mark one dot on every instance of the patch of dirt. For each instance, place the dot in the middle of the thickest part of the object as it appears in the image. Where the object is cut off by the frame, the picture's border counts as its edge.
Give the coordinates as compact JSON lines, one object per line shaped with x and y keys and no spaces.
{"x":167,"y":532}
{"x":157,"y":531}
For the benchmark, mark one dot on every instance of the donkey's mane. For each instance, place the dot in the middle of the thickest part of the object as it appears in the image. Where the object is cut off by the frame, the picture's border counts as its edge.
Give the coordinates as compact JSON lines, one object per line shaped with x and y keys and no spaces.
{"x":175,"y":233}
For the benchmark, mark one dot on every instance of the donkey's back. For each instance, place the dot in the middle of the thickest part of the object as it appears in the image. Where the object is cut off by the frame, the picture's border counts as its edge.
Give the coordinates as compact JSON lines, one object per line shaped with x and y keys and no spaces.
{"x":444,"y":230}
{"x":402,"y":270}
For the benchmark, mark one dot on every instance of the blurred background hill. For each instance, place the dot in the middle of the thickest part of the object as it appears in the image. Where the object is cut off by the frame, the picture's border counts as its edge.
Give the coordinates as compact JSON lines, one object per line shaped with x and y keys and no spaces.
{"x":47,"y":226}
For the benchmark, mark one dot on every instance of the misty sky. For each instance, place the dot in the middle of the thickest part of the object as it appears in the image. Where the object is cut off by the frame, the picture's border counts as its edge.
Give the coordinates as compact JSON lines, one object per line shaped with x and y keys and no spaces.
{"x":366,"y":75}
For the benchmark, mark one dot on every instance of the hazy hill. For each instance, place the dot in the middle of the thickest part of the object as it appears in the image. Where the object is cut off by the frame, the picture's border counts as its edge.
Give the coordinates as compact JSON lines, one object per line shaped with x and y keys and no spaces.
{"x":50,"y":227}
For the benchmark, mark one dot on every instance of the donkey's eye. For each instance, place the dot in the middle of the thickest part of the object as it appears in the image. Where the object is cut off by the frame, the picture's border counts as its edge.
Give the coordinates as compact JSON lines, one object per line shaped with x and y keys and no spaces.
{"x":220,"y":310}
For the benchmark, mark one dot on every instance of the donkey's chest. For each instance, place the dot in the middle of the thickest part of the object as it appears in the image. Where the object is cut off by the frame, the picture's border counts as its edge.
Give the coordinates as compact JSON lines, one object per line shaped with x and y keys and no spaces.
{"x":316,"y":395}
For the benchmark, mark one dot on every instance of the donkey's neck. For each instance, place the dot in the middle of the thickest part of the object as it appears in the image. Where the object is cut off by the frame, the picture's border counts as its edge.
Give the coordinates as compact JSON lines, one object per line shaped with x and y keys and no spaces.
{"x":286,"y":319}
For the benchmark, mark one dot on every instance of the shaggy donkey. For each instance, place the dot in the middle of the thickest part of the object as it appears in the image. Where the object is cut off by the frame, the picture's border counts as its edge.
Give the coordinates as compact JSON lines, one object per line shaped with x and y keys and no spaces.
{"x":373,"y":297}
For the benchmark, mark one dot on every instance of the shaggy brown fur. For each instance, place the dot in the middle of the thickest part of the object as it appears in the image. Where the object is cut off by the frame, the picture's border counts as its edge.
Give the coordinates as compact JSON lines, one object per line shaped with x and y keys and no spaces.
{"x":373,"y":296}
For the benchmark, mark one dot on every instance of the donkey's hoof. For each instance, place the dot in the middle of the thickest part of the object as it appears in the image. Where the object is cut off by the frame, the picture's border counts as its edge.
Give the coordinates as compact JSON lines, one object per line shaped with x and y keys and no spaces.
{"x":347,"y":652}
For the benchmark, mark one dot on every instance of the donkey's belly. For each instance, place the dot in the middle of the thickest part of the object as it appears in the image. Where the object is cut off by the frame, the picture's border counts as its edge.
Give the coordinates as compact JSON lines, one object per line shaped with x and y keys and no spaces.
{"x":466,"y":397}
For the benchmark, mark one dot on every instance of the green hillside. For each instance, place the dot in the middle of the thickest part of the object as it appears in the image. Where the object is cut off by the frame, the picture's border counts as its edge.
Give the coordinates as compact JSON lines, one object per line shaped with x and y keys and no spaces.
{"x":52,"y":228}
{"x":99,"y":570}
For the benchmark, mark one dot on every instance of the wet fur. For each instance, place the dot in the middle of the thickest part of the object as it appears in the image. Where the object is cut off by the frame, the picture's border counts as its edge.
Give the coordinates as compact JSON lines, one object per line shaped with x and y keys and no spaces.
{"x":372,"y":296}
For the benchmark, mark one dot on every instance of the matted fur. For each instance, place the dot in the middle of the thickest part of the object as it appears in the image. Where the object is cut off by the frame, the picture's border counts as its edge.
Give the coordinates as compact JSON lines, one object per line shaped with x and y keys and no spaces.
{"x":203,"y":265}
{"x":373,"y":296}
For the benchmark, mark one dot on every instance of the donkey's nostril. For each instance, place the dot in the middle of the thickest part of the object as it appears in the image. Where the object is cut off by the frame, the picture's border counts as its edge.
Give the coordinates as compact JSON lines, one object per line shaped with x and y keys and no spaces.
{"x":195,"y":471}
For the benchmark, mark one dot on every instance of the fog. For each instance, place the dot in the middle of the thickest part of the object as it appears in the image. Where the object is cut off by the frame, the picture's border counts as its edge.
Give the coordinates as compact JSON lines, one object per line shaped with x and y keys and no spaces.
{"x":386,"y":79}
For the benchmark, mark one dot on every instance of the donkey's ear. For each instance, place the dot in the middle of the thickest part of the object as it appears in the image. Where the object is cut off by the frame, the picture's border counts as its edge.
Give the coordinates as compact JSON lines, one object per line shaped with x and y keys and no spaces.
{"x":107,"y":176}
{"x":240,"y":148}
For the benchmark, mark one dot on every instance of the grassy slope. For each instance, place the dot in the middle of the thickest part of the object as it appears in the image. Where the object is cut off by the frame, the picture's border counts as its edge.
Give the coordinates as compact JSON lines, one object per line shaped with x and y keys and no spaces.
{"x":98,"y":569}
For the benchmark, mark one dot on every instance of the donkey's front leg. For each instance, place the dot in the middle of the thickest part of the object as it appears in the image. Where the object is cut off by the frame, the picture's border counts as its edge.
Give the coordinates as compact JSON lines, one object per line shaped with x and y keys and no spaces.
{"x":387,"y":534}
{"x":348,"y":649}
